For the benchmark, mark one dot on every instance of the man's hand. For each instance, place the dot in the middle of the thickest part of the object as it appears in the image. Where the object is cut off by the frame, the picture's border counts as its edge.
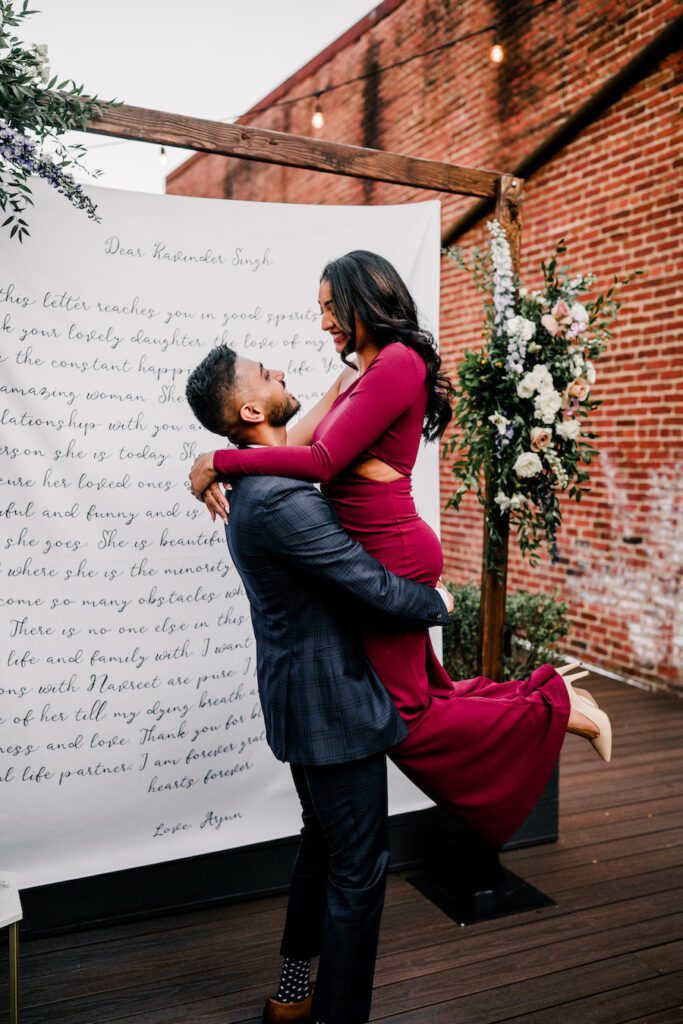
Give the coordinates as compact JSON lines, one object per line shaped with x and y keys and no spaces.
{"x":202,"y":475}
{"x":446,"y":595}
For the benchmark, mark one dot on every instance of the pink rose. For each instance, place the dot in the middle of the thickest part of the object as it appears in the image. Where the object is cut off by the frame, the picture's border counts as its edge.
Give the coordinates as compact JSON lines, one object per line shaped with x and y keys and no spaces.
{"x":561,"y":312}
{"x":551,"y":325}
{"x":578,"y":388}
{"x":540,"y":438}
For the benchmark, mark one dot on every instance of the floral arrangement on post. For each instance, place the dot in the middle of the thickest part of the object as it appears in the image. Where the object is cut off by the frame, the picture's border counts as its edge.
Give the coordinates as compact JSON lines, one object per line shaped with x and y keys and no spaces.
{"x":31,"y":111}
{"x":522,"y":400}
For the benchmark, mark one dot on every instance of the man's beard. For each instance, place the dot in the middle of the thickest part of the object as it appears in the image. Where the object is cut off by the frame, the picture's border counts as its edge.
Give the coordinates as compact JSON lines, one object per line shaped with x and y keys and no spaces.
{"x":281,"y":412}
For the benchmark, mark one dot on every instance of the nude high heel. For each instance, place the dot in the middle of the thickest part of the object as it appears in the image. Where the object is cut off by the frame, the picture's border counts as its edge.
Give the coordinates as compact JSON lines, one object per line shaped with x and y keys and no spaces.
{"x":576,"y":675}
{"x":584,"y":702}
{"x":603,"y":741}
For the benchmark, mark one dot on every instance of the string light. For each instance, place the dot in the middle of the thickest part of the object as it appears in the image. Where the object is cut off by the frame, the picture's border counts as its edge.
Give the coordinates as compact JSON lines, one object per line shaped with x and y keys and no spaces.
{"x":318,"y":119}
{"x":497,"y":53}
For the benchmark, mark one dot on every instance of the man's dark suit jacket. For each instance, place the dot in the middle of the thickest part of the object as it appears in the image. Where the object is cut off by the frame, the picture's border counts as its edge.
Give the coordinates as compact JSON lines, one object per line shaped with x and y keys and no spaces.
{"x":310,"y":586}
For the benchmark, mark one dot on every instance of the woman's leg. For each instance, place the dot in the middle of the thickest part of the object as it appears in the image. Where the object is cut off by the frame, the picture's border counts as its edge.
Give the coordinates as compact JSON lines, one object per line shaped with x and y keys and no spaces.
{"x":486,"y":753}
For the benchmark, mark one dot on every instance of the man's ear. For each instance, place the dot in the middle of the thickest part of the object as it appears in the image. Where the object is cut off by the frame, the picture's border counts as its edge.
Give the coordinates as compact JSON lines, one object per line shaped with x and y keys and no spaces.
{"x":251,"y":412}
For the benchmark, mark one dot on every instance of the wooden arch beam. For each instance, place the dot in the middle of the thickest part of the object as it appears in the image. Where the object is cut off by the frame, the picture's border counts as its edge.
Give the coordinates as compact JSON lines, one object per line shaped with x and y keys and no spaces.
{"x":268,"y":146}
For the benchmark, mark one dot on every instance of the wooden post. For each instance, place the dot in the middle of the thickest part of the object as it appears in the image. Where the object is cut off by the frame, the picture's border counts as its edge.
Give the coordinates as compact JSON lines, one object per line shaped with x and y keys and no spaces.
{"x":493,"y":590}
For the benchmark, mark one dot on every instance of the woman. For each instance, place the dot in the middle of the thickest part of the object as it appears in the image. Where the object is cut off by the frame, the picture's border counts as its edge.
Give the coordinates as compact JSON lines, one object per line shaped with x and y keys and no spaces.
{"x":481,"y":749}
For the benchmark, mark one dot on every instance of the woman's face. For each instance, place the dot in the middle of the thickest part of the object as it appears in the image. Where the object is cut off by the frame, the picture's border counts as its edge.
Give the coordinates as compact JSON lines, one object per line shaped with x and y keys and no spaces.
{"x":329,"y":322}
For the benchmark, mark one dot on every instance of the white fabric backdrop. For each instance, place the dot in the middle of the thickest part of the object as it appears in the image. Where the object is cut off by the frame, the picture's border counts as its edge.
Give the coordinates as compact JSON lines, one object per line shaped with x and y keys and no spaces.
{"x":130,"y":726}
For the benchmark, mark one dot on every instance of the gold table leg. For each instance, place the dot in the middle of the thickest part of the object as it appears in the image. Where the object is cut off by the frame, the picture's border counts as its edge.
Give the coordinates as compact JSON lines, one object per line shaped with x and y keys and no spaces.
{"x":14,"y":973}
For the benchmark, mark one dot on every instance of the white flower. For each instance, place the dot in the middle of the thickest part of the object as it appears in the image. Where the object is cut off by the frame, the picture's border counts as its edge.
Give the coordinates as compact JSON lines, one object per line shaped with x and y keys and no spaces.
{"x":547,"y":404}
{"x":503,"y":288}
{"x":500,"y":422}
{"x":526,"y":386}
{"x":571,"y":429}
{"x":504,"y":503}
{"x":576,"y":364}
{"x":517,"y":500}
{"x":520,"y":327}
{"x":528,"y":464}
{"x":519,"y":330}
{"x":522,"y":292}
{"x":538,"y":379}
{"x":578,"y":312}
{"x":542,"y":376}
{"x":557,"y":467}
{"x":533,"y":346}
{"x":590,"y":372}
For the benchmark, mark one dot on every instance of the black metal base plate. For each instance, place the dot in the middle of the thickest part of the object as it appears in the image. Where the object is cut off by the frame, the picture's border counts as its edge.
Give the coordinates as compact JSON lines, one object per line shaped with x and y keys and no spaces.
{"x":505,"y":893}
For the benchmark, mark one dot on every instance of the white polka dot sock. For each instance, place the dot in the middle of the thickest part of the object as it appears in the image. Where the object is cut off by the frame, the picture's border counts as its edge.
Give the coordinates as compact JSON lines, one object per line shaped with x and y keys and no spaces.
{"x":295,"y":980}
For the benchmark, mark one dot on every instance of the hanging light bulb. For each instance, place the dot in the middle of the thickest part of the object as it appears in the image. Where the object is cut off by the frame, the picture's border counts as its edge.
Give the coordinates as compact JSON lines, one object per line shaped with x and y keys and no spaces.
{"x":318,"y":119}
{"x":162,"y":157}
{"x":497,"y":53}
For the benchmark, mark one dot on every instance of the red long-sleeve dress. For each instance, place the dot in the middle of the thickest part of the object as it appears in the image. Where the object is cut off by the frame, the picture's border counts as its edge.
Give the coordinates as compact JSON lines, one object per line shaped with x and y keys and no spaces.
{"x":483,"y":750}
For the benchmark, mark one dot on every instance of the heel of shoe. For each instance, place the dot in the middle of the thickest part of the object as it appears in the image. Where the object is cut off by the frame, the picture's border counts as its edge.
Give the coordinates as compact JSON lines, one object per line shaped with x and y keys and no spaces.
{"x":603,"y":742}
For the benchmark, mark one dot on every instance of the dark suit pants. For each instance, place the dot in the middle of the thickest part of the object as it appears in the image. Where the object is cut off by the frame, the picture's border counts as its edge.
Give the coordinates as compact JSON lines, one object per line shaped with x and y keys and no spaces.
{"x":338,"y":884}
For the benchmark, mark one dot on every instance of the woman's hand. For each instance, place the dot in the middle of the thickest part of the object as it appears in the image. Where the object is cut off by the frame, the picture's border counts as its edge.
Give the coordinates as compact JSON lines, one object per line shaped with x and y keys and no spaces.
{"x":216,"y":502}
{"x":441,"y":587}
{"x":202,"y":475}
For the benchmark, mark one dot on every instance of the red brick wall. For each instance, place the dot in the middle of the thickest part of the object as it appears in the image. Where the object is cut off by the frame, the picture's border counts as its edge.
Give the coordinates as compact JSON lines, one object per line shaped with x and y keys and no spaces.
{"x":614,"y":193}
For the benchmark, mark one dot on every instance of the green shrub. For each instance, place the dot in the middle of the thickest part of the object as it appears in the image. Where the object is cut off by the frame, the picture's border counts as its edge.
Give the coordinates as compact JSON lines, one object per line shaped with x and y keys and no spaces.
{"x":534,"y":625}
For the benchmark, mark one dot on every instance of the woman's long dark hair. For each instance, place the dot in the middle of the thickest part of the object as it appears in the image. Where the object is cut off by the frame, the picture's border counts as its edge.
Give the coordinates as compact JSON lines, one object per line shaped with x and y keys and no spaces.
{"x":364,"y":283}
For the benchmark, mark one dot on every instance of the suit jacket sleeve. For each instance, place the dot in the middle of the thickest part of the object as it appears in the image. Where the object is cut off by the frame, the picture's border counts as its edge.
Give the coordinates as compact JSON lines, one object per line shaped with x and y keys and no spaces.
{"x":299,"y":525}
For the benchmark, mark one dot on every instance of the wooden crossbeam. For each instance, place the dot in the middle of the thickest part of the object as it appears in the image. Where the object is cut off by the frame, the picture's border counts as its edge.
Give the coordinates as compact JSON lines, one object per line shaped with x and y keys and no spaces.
{"x":238,"y":140}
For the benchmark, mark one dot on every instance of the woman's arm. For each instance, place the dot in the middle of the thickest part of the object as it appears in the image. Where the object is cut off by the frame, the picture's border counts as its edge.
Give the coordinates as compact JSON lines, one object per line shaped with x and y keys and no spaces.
{"x":392,"y":382}
{"x":302,"y":432}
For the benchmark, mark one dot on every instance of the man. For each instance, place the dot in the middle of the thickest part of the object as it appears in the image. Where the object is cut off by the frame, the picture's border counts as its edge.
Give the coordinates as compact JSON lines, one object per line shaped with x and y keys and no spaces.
{"x":325,"y":710}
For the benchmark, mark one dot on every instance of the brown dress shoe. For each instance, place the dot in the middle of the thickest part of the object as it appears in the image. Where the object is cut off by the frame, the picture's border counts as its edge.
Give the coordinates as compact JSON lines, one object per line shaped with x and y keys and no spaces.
{"x":276,"y":1012}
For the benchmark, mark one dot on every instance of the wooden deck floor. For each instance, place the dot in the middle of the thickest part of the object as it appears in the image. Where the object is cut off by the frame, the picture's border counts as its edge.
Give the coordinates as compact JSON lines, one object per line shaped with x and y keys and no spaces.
{"x":609,"y":952}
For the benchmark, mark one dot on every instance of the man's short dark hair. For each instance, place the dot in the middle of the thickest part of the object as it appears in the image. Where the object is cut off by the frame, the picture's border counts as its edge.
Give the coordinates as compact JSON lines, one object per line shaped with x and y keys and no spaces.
{"x":210,"y":389}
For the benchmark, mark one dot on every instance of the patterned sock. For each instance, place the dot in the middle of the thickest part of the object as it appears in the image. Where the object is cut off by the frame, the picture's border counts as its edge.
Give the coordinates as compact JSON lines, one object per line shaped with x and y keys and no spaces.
{"x":294,"y":983}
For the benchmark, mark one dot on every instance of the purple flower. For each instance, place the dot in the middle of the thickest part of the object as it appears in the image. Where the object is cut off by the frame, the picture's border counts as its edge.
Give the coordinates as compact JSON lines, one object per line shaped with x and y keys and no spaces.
{"x":21,"y":151}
